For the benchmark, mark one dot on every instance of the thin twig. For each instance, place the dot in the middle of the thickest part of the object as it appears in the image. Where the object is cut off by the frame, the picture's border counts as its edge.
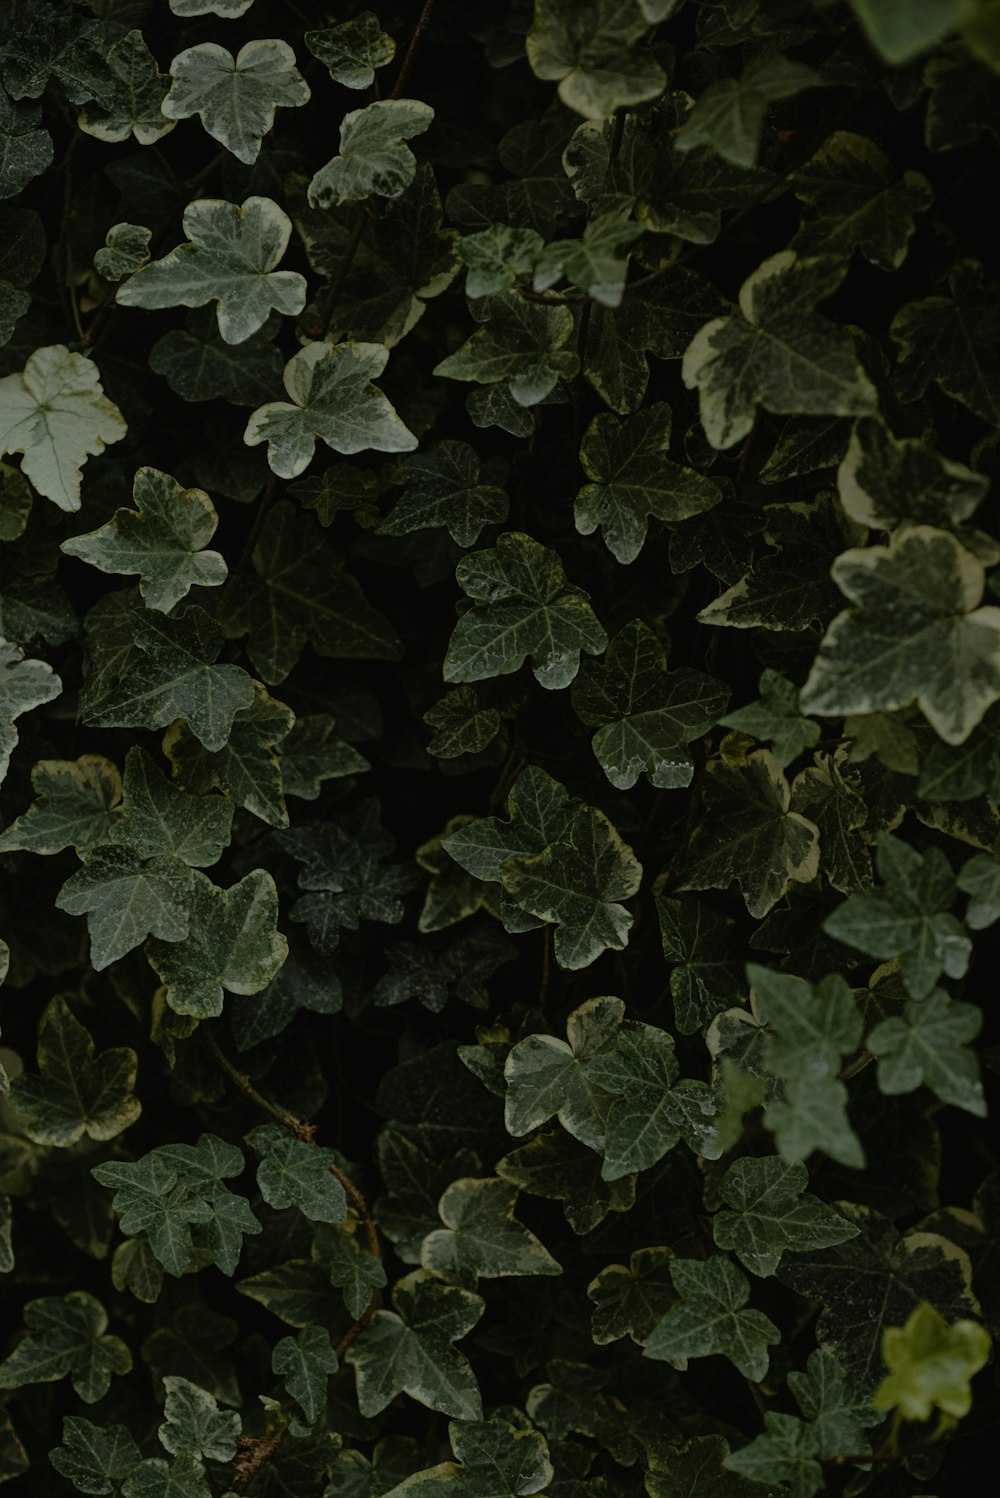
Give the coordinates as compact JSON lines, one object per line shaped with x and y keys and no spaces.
{"x":411,"y":51}
{"x":858,"y":1064}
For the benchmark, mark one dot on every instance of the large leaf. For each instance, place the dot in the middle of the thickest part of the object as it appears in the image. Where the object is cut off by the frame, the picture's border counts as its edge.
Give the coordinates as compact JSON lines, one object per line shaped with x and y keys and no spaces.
{"x":229,"y":259}
{"x":780,"y":353}
{"x":930,"y":1365}
{"x":163,"y":539}
{"x":373,"y":157}
{"x":332,"y":399}
{"x":67,"y":1336}
{"x":139,"y":89}
{"x":646,"y":715}
{"x":882,"y":482}
{"x":522,"y":606}
{"x":901,"y":29}
{"x":77,"y":806}
{"x":521,"y":345}
{"x":710,"y":1317}
{"x":194,"y":1423}
{"x":769,"y":1213}
{"x":729,"y":114}
{"x":915,"y":633}
{"x":548,"y":1077}
{"x":481,"y":1236}
{"x":93,"y":1458}
{"x":236,"y":98}
{"x":853,"y":200}
{"x":594,"y":48}
{"x":158,"y":818}
{"x":126,"y":898}
{"x":75,"y":1092}
{"x":353,"y":50}
{"x":953,"y":341}
{"x":56,"y":413}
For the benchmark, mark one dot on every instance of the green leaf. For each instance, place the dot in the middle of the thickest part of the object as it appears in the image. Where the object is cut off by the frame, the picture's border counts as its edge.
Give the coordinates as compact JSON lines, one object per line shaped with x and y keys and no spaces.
{"x":840,"y":1412}
{"x":492,"y":1460}
{"x":157,"y":818}
{"x":163,"y":539}
{"x":930,"y":1365}
{"x":907,"y":917}
{"x":953,"y":341}
{"x":353,"y":1269}
{"x":199,"y":366}
{"x":77,"y":806}
{"x":521,"y":344}
{"x":300,"y":592}
{"x":21,"y":259}
{"x":697,"y":1470}
{"x":177,"y":678}
{"x":497,"y":258}
{"x":125,"y":250}
{"x":928,"y":1044}
{"x":773,"y":1214}
{"x":729,"y":115}
{"x":593,"y":262}
{"x":482,"y":1237}
{"x":461,"y":724}
{"x":313,"y":754}
{"x":25,"y":150}
{"x":295,"y":1173}
{"x":232,"y":944}
{"x":409,"y":1350}
{"x":194,"y":1423}
{"x":236,"y":98}
{"x":652,"y":1110}
{"x":340,"y":487}
{"x":522,"y":605}
{"x":882,"y":482}
{"x":914,"y":633}
{"x":125,"y":899}
{"x":229,"y":259}
{"x":629,"y":1301}
{"x":594,"y":48}
{"x":92,"y":1458}
{"x":710,"y":1318}
{"x":698,"y":944}
{"x":980,"y":879}
{"x":182,"y":1478}
{"x":901,"y":29}
{"x":748,"y":833}
{"x":647,"y":715}
{"x":828,"y":794}
{"x":775,"y":719}
{"x":76,"y":1093}
{"x":334,"y":400}
{"x":353,"y":50}
{"x":55,"y":412}
{"x":853,"y":199}
{"x":547,"y":1077}
{"x":461,"y":971}
{"x":345,"y":866}
{"x":247,"y":768}
{"x":373,"y":157}
{"x":67,"y":1337}
{"x":138,"y":89}
{"x":779,"y":354}
{"x":442,"y":488}
{"x":305,"y":1363}
{"x":787,"y":1452}
{"x":554,"y":1165}
{"x":632,"y":479}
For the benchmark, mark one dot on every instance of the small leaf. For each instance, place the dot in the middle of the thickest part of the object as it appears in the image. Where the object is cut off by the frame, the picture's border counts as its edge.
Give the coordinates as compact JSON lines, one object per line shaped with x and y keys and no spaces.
{"x":698,"y":944}
{"x":305,"y":1363}
{"x":853,"y":199}
{"x":373,"y":158}
{"x":139,"y":89}
{"x":710,"y":1318}
{"x":295,"y":1173}
{"x":594,"y":48}
{"x":182,"y":1478}
{"x":521,"y":344}
{"x":930,"y":1365}
{"x":496,"y":258}
{"x":25,"y":150}
{"x":729,"y":114}
{"x":235,"y":97}
{"x":76,"y":1093}
{"x":126,"y":898}
{"x":353,"y":50}
{"x":631,"y":1301}
{"x":77,"y":806}
{"x":953,"y":341}
{"x":92,"y":1458}
{"x":772,"y":1214}
{"x":56,"y":413}
{"x":775,"y":718}
{"x":67,"y":1336}
{"x":497,"y":1460}
{"x":246,"y":768}
{"x":194,"y":1423}
{"x":547,"y":1077}
{"x":928,"y":1044}
{"x":442,"y":488}
{"x":482,"y":1237}
{"x":229,"y":259}
{"x":125,"y":250}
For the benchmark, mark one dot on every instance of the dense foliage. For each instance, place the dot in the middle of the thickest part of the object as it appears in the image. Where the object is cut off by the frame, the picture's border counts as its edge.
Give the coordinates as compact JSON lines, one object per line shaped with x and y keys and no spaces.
{"x":500,"y":747}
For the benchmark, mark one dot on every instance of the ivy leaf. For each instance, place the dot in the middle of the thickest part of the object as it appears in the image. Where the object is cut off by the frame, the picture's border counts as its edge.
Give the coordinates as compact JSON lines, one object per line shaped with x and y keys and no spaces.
{"x":232,"y":944}
{"x":710,"y":1318}
{"x":930,"y":1365}
{"x":548,"y":1077}
{"x":496,"y":258}
{"x":648,"y":715}
{"x":952,"y":341}
{"x":928,"y":1044}
{"x":729,"y":114}
{"x":194,"y":1423}
{"x":296,"y":1173}
{"x":775,"y":718}
{"x":355,"y":1271}
{"x":125,"y":898}
{"x":652,"y":1110}
{"x":442,"y":488}
{"x":23,"y":685}
{"x":839,"y":1411}
{"x":236,"y":98}
{"x":163,"y":539}
{"x":125,"y":250}
{"x":882,"y":482}
{"x":522,"y":605}
{"x":748,"y":833}
{"x":301,"y":592}
{"x":943,"y":652}
{"x":56,"y":413}
{"x":779,"y":354}
{"x":177,"y":678}
{"x":826,"y":795}
{"x":22,"y":256}
{"x":229,"y":259}
{"x":138,"y":90}
{"x":373,"y":157}
{"x":632,"y":479}
{"x":92,"y":1458}
{"x":787,"y":1452}
{"x":521,"y":344}
{"x":409,"y":1350}
{"x":629,"y":1301}
{"x":353,"y":50}
{"x":554,"y":1165}
{"x":482,"y":1237}
{"x":229,"y":10}
{"x":902,"y":29}
{"x":462,"y":971}
{"x":246,"y":769}
{"x":593,"y":262}
{"x":67,"y":1336}
{"x":199,"y":366}
{"x":907,"y":917}
{"x":497,"y":1460}
{"x":157,"y":818}
{"x":345,"y":866}
{"x":772,"y":1214}
{"x":461,"y":724}
{"x":25,"y":150}
{"x":853,"y":200}
{"x":698,"y":944}
{"x":333,"y":400}
{"x":76,"y":1092}
{"x":305,"y":1363}
{"x":594,"y":48}
{"x":696,"y":1470}
{"x":182,"y":1478}
{"x":980,"y":879}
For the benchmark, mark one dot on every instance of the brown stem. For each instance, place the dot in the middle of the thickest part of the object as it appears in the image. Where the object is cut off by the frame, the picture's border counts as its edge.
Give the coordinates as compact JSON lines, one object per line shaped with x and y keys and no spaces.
{"x":546,"y":978}
{"x":411,"y":51}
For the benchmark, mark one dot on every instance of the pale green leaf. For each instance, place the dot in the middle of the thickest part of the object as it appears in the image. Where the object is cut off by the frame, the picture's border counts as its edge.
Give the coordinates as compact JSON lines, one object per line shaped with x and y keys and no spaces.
{"x":353,"y":50}
{"x":710,"y":1317}
{"x":77,"y":806}
{"x":594,"y":262}
{"x":929,"y":1044}
{"x":902,"y":29}
{"x":729,"y":114}
{"x":482,"y":1237}
{"x":374,"y":157}
{"x":594,"y":48}
{"x":125,"y":250}
{"x":67,"y":1336}
{"x":126,"y":898}
{"x":775,"y":719}
{"x":882,"y":482}
{"x":75,"y":1093}
{"x":548,"y":1077}
{"x":246,"y":768}
{"x":930,"y":1365}
{"x":771,"y":1213}
{"x":497,"y":258}
{"x":236,"y":98}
